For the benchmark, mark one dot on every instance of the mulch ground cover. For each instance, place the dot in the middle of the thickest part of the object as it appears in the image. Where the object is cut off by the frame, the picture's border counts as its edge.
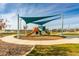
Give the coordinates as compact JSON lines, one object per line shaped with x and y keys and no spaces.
{"x":41,"y":37}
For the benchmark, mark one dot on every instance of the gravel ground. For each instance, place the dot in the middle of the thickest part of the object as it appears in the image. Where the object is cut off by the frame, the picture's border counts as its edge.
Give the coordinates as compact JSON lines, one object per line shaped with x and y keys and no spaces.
{"x":8,"y":49}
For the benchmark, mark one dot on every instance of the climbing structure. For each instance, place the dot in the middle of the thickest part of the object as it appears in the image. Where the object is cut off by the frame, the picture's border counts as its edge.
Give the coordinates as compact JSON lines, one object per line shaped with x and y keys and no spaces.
{"x":40,"y":28}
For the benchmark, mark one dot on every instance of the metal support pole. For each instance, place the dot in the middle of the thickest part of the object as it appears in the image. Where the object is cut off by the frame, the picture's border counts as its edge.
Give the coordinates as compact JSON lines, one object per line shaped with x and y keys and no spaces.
{"x":20,"y":24}
{"x":62,"y":23}
{"x":25,"y":30}
{"x":18,"y":31}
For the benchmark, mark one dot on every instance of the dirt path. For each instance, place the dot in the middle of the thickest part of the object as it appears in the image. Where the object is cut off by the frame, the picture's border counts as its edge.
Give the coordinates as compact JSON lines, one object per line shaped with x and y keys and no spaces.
{"x":11,"y":39}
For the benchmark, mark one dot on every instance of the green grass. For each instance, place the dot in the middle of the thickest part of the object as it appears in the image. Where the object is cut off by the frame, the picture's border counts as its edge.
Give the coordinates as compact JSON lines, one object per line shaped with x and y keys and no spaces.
{"x":66,"y":33}
{"x":53,"y":33}
{"x":56,"y":50}
{"x":6,"y":34}
{"x":71,"y":34}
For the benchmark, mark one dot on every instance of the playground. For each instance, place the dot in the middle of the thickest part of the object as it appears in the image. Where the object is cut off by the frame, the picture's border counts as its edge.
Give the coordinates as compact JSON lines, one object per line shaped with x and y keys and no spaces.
{"x":39,"y":32}
{"x":39,"y":39}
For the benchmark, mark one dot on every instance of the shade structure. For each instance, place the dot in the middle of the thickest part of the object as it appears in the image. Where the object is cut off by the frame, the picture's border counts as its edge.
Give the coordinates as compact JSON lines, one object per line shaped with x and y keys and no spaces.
{"x":46,"y":21}
{"x":31,"y":19}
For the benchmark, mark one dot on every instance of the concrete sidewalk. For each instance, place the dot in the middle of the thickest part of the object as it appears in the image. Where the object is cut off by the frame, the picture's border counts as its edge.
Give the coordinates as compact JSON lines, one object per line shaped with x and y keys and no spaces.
{"x":11,"y":39}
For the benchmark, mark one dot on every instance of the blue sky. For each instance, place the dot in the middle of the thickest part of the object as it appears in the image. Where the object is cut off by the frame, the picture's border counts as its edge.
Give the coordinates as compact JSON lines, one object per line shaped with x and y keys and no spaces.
{"x":69,"y":10}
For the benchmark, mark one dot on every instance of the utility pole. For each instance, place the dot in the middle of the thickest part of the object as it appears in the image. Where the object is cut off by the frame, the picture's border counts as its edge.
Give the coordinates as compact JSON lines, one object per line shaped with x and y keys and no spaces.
{"x":62,"y":23}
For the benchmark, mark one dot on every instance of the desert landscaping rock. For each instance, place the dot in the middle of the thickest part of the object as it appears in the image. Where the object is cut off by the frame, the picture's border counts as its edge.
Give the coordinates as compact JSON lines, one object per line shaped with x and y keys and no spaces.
{"x":8,"y":49}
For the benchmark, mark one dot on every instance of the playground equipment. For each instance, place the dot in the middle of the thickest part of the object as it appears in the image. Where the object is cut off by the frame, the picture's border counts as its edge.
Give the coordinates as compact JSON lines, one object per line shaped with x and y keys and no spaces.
{"x":32,"y":19}
{"x":41,"y":28}
{"x":35,"y":30}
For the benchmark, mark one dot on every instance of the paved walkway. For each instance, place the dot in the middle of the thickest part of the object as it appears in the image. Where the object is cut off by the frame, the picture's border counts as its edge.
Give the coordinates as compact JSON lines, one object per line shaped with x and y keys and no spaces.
{"x":11,"y":39}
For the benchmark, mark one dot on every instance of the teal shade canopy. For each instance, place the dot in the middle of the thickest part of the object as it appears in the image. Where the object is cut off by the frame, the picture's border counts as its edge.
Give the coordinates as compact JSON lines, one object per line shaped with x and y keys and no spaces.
{"x":46,"y":21}
{"x":31,"y":19}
